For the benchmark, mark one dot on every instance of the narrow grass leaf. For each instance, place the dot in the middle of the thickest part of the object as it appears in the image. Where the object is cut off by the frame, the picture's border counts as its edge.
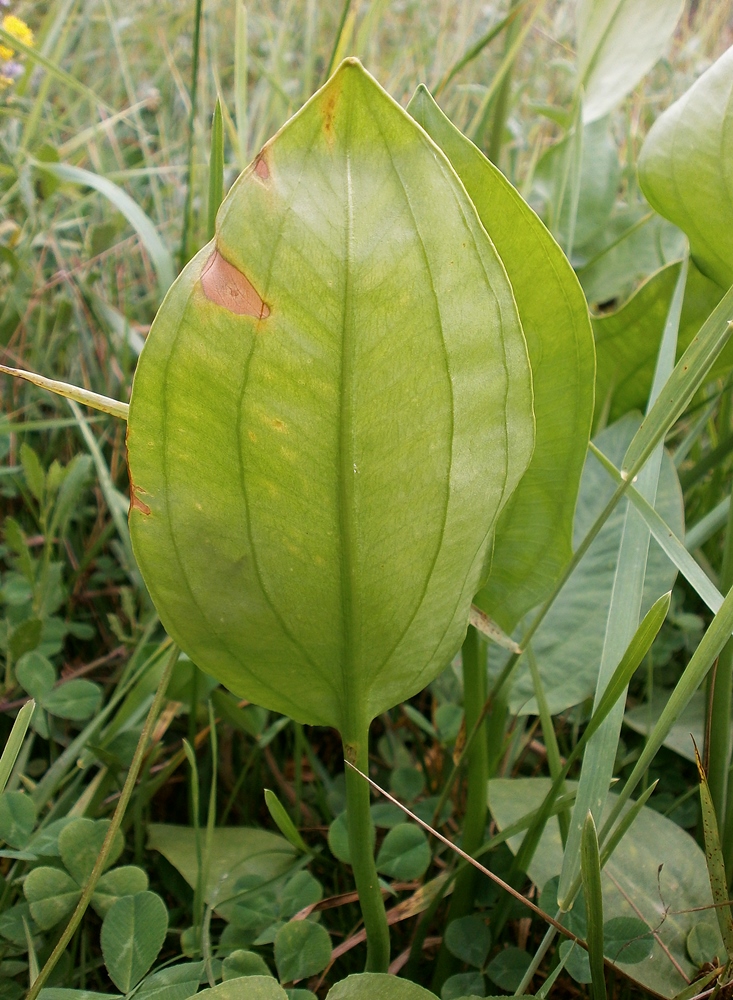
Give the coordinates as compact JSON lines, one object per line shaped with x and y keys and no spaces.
{"x":15,"y":742}
{"x":590,"y":866}
{"x":159,"y":255}
{"x":216,"y":169}
{"x":623,"y":616}
{"x":667,"y":540}
{"x":240,"y":80}
{"x":714,"y":860}
{"x":283,"y":822}
{"x":75,"y":392}
{"x":712,"y":642}
{"x":478,"y":47}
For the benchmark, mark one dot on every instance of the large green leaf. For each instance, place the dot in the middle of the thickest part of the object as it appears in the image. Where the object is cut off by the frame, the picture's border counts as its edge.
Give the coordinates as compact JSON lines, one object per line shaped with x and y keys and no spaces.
{"x":618,"y":43}
{"x":627,"y":340}
{"x":569,"y":642}
{"x":533,"y":535}
{"x":235,"y":853}
{"x":246,"y":988}
{"x":686,"y":168}
{"x":331,"y":409}
{"x":634,"y":885}
{"x":376,"y":986}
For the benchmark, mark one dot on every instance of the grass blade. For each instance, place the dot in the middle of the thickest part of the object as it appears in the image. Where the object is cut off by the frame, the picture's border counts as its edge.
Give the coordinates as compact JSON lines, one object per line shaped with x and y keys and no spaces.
{"x":121,"y":200}
{"x":240,"y":81}
{"x":478,"y":47}
{"x":667,"y":540}
{"x":694,"y":674}
{"x":216,"y":169}
{"x":590,"y":867}
{"x":84,"y":396}
{"x":714,"y":860}
{"x":623,"y":616}
{"x":15,"y":742}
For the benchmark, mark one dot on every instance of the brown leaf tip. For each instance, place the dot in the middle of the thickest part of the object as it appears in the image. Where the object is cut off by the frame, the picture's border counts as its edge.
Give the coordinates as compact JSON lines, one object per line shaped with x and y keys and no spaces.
{"x":229,"y":288}
{"x":135,"y":502}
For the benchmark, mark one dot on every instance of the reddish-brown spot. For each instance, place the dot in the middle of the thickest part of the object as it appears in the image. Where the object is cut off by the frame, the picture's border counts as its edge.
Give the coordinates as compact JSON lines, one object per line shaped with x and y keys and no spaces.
{"x":135,"y":502}
{"x":227,"y":287}
{"x":328,"y":109}
{"x":261,"y":168}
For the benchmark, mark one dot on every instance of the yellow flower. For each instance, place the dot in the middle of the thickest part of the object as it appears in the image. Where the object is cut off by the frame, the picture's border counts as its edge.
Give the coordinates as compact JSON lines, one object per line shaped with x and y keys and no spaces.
{"x":18,"y":29}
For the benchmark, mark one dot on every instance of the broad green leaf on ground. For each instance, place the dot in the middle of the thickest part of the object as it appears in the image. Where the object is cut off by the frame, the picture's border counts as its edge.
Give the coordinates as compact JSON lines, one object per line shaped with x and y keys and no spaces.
{"x":627,"y":340}
{"x":236,"y":852}
{"x":378,"y":986}
{"x":569,"y":642}
{"x":51,"y":895}
{"x":243,"y":963}
{"x":463,"y":984}
{"x":127,"y":880}
{"x":346,"y":355}
{"x":507,"y":969}
{"x":133,"y":932}
{"x":686,"y":168}
{"x":532,"y":540}
{"x":619,"y":41}
{"x":246,"y":988}
{"x":633,"y":883}
{"x":642,"y":719}
{"x":600,"y":174}
{"x":469,"y":939}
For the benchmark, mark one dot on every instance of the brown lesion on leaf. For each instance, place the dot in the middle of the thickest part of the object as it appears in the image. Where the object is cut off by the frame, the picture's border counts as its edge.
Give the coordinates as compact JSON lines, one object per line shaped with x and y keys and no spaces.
{"x":261,"y":168}
{"x":135,"y":502}
{"x":229,"y":288}
{"x":328,"y":109}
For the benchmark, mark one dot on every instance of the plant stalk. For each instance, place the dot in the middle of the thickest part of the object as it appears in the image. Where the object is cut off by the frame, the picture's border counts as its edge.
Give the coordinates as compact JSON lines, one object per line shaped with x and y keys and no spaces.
{"x":474,"y":827}
{"x":356,"y":752}
{"x":501,"y":107}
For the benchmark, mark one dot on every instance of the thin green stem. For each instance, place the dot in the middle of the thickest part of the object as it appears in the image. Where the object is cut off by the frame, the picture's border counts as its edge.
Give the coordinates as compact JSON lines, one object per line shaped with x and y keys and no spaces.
{"x":474,"y":823}
{"x":119,"y":813}
{"x":188,"y":209}
{"x":356,"y":752}
{"x":722,"y":680}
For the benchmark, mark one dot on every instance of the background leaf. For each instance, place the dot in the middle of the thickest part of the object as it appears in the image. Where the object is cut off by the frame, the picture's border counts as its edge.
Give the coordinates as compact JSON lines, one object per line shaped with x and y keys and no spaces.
{"x":685,"y":168}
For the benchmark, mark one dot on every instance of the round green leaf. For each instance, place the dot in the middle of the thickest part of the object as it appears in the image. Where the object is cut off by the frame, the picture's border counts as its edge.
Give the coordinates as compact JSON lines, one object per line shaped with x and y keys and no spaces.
{"x":80,"y":843}
{"x":463,"y":984}
{"x":703,"y":943}
{"x":685,"y":168}
{"x":508,"y":968}
{"x":302,"y":949}
{"x":36,"y":674}
{"x":298,"y":892}
{"x":17,"y":818}
{"x":338,"y":838}
{"x":78,"y":700}
{"x":405,"y":853}
{"x":243,"y":963}
{"x":377,"y":986}
{"x":346,"y":355}
{"x":176,"y":982}
{"x":577,"y":963}
{"x":627,"y":940}
{"x":51,"y":895}
{"x":469,"y":939}
{"x":533,"y":534}
{"x":124,"y":881}
{"x":133,"y":933}
{"x":246,"y":988}
{"x":407,"y":783}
